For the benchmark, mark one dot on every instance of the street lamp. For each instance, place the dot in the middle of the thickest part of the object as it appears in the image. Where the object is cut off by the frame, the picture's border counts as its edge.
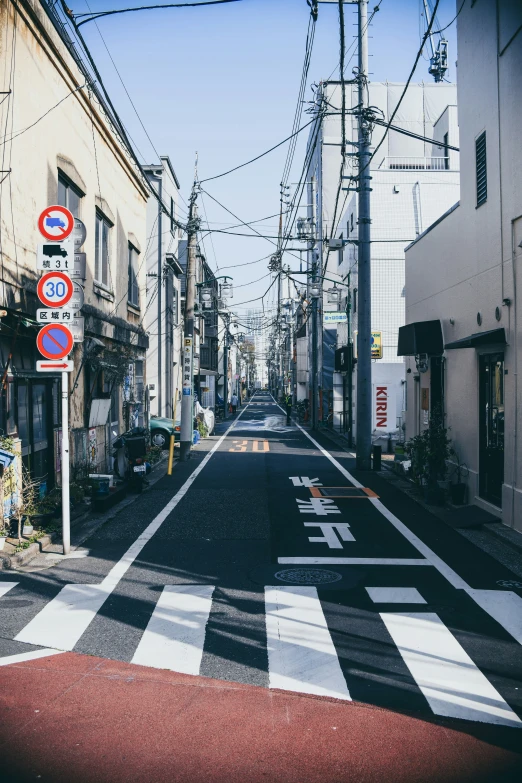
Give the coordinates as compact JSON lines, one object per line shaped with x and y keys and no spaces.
{"x":315,"y":290}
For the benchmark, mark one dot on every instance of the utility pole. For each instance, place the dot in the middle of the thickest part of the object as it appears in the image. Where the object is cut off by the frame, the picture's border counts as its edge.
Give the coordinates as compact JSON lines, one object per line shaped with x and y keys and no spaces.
{"x":364,"y":324}
{"x":187,"y":399}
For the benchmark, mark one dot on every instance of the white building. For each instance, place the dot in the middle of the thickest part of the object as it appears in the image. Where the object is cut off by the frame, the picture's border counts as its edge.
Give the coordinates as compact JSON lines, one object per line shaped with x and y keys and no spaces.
{"x":163,"y":310}
{"x":462,"y":273}
{"x":413,"y":183}
{"x":257,"y":333}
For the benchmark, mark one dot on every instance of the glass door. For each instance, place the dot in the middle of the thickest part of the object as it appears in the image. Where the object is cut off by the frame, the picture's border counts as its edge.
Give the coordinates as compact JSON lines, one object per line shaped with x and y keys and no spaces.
{"x":491,"y":427}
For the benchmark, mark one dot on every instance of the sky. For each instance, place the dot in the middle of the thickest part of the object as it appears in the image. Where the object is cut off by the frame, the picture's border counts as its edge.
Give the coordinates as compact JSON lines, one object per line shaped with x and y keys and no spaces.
{"x":223,"y":81}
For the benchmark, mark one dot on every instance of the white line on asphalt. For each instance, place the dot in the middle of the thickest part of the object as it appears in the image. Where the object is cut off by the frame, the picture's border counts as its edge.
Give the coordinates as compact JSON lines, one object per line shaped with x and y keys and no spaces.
{"x":175,"y":635}
{"x":452,"y":577}
{"x":448,"y":678}
{"x":301,"y":654}
{"x":396,"y":561}
{"x":63,"y":620}
{"x":395,"y":595}
{"x":6,"y":586}
{"x":9,"y":660}
{"x":504,"y":606}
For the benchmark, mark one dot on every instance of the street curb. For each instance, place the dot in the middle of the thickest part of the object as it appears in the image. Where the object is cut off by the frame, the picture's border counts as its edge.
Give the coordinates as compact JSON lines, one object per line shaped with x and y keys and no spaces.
{"x":13,"y":562}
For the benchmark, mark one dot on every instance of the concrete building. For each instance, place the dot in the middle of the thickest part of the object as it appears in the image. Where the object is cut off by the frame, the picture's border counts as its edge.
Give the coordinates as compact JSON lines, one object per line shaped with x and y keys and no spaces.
{"x":463,"y":324}
{"x":413,"y":182}
{"x":163,"y":321}
{"x":61,"y":147}
{"x":409,"y":192}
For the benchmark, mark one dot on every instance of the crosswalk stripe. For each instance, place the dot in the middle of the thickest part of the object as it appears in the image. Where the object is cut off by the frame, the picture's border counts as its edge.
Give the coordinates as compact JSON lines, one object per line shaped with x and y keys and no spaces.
{"x":6,"y":586}
{"x":504,"y":606}
{"x":175,"y":635}
{"x":453,"y":686}
{"x":64,"y":619}
{"x":301,"y":654}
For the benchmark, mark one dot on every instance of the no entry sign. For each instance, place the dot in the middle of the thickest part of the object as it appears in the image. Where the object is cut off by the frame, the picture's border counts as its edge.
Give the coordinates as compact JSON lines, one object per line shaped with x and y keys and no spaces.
{"x":55,"y":289}
{"x":54,"y":341}
{"x":56,"y":223}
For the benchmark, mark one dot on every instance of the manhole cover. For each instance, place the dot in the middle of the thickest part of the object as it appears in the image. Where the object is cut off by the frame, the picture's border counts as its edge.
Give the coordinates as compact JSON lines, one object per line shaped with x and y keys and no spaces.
{"x":509,"y":583}
{"x":308,"y":576}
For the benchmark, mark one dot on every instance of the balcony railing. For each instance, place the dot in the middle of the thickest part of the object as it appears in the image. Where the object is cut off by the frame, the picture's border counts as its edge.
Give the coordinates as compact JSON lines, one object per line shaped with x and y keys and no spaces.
{"x":439,"y":163}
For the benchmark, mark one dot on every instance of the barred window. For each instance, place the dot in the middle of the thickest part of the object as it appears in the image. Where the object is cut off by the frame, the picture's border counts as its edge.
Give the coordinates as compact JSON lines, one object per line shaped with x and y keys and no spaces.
{"x":481,"y":168}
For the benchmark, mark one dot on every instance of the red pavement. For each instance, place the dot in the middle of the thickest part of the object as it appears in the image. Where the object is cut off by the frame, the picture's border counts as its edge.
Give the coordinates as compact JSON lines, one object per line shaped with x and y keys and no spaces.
{"x":80,"y":719}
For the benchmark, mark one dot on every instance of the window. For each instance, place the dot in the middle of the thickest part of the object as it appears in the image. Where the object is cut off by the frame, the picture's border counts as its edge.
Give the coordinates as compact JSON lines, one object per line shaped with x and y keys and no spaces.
{"x":446,"y":151}
{"x":134,"y":291}
{"x":354,"y":300}
{"x":480,"y":164}
{"x":69,"y":196}
{"x":172,"y":216}
{"x":351,"y":222}
{"x":101,"y":242}
{"x":340,"y":252}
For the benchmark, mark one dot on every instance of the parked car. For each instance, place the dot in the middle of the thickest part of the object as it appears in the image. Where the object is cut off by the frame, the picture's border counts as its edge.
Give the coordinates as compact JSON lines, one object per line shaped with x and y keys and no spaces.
{"x":161,"y":429}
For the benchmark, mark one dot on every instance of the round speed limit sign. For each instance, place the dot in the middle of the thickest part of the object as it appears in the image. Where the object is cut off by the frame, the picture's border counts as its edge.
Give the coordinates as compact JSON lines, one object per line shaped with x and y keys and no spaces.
{"x":55,"y":289}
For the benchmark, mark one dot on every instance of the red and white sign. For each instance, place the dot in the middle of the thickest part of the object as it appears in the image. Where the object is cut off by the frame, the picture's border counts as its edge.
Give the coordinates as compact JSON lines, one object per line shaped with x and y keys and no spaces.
{"x":48,"y":366}
{"x":55,"y":289}
{"x":56,"y":223}
{"x":54,"y":341}
{"x":383,"y":408}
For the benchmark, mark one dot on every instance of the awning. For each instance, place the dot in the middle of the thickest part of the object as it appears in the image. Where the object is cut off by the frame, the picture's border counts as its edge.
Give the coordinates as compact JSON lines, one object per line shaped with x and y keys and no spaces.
{"x":493,"y":337}
{"x":207,"y":372}
{"x":420,"y":337}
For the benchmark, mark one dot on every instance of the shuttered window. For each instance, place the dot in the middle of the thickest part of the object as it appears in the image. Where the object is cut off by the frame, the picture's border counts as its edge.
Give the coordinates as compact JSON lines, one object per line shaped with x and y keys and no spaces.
{"x":481,"y":167}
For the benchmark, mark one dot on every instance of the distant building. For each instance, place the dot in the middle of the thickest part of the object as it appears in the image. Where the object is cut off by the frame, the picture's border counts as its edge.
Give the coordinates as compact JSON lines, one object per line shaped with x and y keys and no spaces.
{"x":462,"y":337}
{"x":163,"y":307}
{"x":413,"y":183}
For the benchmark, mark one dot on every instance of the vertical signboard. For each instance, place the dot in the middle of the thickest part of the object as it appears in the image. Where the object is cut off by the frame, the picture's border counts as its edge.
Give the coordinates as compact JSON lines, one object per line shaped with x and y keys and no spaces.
{"x":383,"y":408}
{"x":187,"y":366}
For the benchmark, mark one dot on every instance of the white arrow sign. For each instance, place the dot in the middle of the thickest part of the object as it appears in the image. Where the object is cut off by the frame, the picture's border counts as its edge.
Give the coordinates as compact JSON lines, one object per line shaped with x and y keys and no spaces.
{"x":59,"y":365}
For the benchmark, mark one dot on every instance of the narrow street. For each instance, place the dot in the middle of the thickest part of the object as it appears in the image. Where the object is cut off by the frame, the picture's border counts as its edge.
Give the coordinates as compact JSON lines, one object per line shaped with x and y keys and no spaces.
{"x":267,"y":561}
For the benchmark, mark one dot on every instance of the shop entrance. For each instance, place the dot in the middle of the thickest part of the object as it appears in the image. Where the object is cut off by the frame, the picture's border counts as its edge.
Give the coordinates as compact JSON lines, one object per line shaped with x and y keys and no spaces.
{"x":491,"y":427}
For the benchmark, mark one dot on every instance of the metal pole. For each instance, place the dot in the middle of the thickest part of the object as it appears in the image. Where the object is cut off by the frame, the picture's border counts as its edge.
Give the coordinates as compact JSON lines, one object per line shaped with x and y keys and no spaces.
{"x":160,"y":305}
{"x":66,"y":508}
{"x":314,"y":363}
{"x":364,"y":364}
{"x":187,"y":425}
{"x":225,"y":374}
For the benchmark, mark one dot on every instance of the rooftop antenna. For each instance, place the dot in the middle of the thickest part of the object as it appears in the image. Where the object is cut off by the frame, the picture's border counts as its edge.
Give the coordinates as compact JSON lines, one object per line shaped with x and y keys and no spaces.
{"x":439,"y":55}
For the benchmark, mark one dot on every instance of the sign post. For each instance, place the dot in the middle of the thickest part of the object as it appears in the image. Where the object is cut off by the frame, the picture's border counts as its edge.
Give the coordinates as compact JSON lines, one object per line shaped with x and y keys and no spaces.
{"x":60,"y":258}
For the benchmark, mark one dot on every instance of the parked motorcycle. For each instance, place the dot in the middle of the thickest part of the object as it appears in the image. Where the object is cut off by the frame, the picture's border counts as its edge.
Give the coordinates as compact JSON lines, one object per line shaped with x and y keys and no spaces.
{"x":129,"y":454}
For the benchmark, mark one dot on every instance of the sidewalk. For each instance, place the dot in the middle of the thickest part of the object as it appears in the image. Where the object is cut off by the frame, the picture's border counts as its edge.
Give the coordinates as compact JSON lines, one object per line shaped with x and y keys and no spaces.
{"x":499,"y":541}
{"x":78,"y":718}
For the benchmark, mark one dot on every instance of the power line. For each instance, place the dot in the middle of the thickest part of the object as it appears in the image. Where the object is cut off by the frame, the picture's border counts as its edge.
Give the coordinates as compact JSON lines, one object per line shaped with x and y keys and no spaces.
{"x":96,"y":15}
{"x":242,"y":165}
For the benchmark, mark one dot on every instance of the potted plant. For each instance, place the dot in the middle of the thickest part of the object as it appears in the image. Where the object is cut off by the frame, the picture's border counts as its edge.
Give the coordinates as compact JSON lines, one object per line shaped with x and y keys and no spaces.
{"x":429,"y":452}
{"x":458,"y":489}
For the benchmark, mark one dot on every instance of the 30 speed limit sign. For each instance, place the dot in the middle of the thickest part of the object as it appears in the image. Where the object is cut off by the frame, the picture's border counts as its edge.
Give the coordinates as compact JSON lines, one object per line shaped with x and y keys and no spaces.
{"x":55,"y":289}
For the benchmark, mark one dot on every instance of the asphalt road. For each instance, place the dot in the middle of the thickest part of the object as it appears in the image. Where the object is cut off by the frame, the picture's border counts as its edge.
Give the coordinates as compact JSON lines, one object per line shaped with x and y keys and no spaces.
{"x":267,"y":560}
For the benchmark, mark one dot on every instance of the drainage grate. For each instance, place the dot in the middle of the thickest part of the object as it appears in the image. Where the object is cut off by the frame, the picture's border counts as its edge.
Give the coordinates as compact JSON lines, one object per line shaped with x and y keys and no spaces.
{"x":308,"y":576}
{"x":342,"y":492}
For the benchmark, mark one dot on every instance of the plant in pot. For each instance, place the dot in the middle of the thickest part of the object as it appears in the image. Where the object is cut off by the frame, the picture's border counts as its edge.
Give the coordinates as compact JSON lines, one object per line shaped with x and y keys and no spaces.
{"x":429,"y":453}
{"x":458,"y":489}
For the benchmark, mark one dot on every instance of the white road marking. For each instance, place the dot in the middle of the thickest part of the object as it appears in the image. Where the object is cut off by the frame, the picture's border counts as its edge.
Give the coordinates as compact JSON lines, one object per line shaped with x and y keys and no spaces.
{"x":175,"y":635}
{"x":504,"y":607}
{"x":395,"y":595}
{"x":318,"y":506}
{"x":63,"y":620}
{"x":6,"y":586}
{"x":452,"y":684}
{"x":451,"y":575}
{"x":395,"y":561}
{"x":304,"y":481}
{"x":301,"y":654}
{"x":9,"y":660}
{"x":328,"y":529}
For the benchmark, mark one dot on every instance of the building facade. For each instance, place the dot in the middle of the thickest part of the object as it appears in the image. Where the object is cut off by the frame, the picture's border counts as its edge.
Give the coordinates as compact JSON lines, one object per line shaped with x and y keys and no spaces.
{"x":463,"y":325}
{"x":163,"y":322}
{"x":61,"y":147}
{"x":413,"y":181}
